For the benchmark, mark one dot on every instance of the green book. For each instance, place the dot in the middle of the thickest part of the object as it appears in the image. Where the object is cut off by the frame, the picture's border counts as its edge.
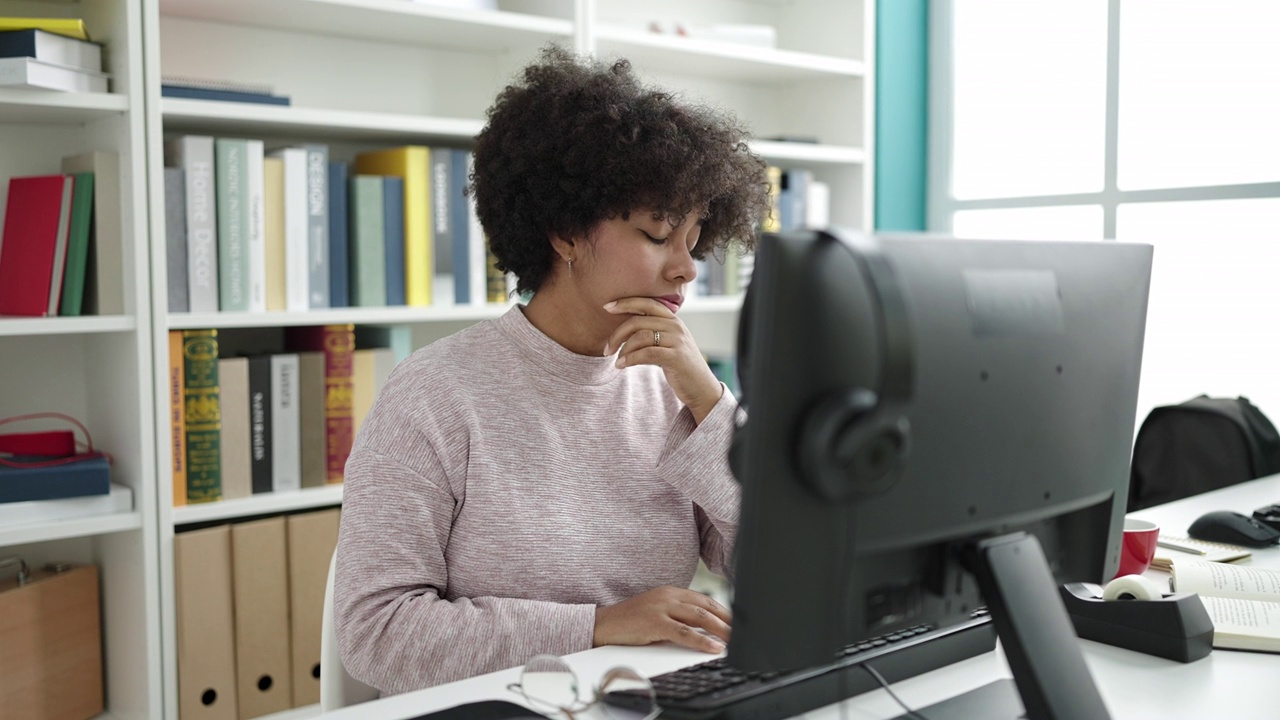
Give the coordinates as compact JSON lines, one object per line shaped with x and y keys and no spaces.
{"x":77,"y":245}
{"x":201,"y":401}
{"x":231,"y":175}
{"x":367,"y":242}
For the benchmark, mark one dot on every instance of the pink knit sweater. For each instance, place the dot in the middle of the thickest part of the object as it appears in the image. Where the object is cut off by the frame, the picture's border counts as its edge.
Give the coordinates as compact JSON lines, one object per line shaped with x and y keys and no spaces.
{"x":502,"y":488}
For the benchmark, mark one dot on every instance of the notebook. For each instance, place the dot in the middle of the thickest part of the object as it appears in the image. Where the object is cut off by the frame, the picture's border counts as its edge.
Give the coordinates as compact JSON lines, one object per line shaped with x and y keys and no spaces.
{"x":1180,"y":546}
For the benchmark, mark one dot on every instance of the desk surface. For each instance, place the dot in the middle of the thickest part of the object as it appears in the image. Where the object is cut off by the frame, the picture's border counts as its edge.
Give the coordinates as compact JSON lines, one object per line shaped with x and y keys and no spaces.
{"x":1133,"y":685}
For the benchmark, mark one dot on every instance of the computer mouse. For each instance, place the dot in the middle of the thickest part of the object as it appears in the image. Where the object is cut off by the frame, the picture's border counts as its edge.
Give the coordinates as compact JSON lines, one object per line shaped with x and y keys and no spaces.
{"x":1233,"y":528}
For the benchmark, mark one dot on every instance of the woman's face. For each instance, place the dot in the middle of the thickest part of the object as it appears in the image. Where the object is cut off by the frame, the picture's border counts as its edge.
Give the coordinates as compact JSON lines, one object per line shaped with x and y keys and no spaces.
{"x":638,"y":256}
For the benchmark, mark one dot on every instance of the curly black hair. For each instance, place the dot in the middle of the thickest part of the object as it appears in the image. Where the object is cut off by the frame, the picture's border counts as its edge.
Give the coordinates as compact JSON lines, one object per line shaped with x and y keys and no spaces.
{"x":574,"y":142}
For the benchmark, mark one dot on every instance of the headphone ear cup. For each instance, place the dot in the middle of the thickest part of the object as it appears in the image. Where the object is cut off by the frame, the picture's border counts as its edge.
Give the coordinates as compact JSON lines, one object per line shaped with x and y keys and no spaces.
{"x":846,"y":449}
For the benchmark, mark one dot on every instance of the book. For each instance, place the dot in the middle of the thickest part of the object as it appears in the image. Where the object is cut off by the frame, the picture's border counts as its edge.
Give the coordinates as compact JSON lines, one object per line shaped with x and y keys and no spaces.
{"x":339,"y":279}
{"x":297,"y":262}
{"x":232,"y":178}
{"x":77,"y":261}
{"x":313,"y":449}
{"x":273,"y":231}
{"x":202,"y":415}
{"x":33,"y":245}
{"x":442,"y":280}
{"x":51,"y":48}
{"x":460,"y":224}
{"x":286,"y":453}
{"x":261,"y":446}
{"x":413,"y":163}
{"x":1171,"y":547}
{"x":28,"y":72}
{"x":393,"y":235}
{"x":86,"y":476}
{"x":175,"y":239}
{"x":195,"y":93}
{"x":104,"y":282}
{"x":256,"y":253}
{"x":177,"y":418}
{"x":1242,"y":601}
{"x":317,"y":225}
{"x":337,"y":342}
{"x":118,"y":500}
{"x":70,"y":27}
{"x":234,"y":444}
{"x":477,"y":246}
{"x":194,"y":154}
{"x":367,"y":248}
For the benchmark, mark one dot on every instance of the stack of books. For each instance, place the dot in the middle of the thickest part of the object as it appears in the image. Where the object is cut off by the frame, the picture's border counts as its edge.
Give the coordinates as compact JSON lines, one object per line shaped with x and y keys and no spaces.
{"x":50,"y":54}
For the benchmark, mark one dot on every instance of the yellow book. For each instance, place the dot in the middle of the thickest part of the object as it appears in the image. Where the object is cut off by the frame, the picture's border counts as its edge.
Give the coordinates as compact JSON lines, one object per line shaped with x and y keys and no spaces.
{"x":273,"y":222}
{"x":71,"y":27}
{"x":413,"y":163}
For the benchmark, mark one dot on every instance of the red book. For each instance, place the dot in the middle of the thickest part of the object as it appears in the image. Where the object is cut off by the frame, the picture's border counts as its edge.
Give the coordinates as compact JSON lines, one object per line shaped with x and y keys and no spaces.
{"x":338,"y":343}
{"x":37,"y":223}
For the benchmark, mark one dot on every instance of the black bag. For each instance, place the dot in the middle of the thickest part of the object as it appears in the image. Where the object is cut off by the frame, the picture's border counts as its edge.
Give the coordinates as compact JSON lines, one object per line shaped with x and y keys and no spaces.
{"x":1200,"y":445}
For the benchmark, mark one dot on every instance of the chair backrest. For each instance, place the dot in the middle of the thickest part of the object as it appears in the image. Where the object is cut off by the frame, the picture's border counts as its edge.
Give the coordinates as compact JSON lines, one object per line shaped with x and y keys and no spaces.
{"x":1200,"y":445}
{"x":337,"y":688}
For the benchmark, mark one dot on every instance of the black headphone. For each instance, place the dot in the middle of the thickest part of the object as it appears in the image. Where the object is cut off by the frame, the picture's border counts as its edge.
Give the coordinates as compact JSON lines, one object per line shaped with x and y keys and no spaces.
{"x":855,"y":441}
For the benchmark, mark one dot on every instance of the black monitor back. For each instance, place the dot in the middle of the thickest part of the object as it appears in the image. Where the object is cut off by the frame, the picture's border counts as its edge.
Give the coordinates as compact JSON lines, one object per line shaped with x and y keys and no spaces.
{"x":1020,"y":362}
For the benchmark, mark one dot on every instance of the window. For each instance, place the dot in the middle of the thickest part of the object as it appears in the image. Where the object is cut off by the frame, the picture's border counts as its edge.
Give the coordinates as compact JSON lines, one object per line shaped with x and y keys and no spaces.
{"x":1140,"y":120}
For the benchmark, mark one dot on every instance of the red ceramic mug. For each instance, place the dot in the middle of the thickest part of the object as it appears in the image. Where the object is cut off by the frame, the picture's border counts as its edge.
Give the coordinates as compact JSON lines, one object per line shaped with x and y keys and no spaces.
{"x":1139,"y":546}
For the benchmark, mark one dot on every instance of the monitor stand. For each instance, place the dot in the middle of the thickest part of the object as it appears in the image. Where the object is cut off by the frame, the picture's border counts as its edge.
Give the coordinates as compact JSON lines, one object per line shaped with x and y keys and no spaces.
{"x":1038,"y":639}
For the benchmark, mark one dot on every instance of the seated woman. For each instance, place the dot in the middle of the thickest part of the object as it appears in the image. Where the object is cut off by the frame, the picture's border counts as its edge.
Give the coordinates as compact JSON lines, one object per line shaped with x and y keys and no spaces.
{"x":545,"y":482}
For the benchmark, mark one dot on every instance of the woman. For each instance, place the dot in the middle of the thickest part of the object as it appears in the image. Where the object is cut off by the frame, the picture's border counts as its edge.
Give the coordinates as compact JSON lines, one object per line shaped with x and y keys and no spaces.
{"x":545,"y":482}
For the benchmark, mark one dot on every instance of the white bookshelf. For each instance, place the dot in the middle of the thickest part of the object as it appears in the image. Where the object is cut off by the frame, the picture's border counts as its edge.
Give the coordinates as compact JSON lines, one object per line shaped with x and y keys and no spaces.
{"x":97,"y":369}
{"x":361,"y":74}
{"x":38,"y":532}
{"x":263,"y":504}
{"x":17,"y":327}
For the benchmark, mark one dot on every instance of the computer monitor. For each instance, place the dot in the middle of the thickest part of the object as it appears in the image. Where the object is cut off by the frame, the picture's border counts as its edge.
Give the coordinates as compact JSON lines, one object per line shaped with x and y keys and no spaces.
{"x":925,"y":417}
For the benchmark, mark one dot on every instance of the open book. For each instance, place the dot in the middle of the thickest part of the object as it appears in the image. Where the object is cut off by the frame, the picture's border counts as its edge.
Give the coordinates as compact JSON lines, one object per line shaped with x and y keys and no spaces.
{"x":1243,"y":602}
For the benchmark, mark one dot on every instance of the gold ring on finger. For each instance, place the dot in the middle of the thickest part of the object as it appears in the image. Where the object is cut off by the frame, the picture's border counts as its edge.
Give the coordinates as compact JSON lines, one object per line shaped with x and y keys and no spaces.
{"x":657,"y":338}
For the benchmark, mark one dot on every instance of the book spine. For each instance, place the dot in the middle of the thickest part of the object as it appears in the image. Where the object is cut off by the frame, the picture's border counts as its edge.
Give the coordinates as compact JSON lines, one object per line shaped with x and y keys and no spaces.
{"x":203,"y":415}
{"x":233,"y":381}
{"x":175,"y":91}
{"x":339,"y":285}
{"x":442,"y":281}
{"x":495,"y":279}
{"x":318,"y":225}
{"x":177,"y":418}
{"x":477,"y":247}
{"x":26,"y":268}
{"x":273,"y":231}
{"x":297,"y":260}
{"x":393,"y":237}
{"x":460,"y":224}
{"x":194,"y":154}
{"x":257,"y":243}
{"x":339,"y":369}
{"x":286,"y":458}
{"x":60,"y":247}
{"x":261,"y":445}
{"x":104,"y":287}
{"x":312,"y":448}
{"x":369,"y":265}
{"x":77,"y":264}
{"x":175,"y":239}
{"x":233,"y":222}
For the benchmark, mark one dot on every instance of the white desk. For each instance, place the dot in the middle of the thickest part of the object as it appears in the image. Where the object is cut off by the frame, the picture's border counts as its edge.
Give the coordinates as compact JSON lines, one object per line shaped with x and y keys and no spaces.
{"x":1133,"y":685}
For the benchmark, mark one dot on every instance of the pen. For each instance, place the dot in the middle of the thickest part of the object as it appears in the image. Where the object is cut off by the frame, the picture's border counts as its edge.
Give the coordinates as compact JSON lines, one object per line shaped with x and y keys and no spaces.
{"x":1174,"y":544}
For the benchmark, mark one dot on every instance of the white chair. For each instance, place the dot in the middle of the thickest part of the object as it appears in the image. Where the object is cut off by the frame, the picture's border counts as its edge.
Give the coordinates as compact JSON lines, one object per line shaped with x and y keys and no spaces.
{"x":337,"y":688}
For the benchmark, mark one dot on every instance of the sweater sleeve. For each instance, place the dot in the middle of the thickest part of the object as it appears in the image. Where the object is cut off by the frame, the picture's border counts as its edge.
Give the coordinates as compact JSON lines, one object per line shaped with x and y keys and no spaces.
{"x":696,"y":461}
{"x":396,"y":631}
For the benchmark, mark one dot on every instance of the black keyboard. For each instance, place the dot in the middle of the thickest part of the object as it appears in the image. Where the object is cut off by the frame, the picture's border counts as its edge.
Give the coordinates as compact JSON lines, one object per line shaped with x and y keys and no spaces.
{"x":715,"y":690}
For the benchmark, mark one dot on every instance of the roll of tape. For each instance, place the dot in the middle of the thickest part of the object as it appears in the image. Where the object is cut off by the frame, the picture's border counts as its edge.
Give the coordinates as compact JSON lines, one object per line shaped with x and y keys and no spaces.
{"x":1132,"y":587}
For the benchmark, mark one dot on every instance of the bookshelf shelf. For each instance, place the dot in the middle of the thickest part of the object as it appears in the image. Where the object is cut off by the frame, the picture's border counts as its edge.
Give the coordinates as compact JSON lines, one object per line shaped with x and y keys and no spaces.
{"x":357,"y":316}
{"x":808,"y":153}
{"x":385,"y":20}
{"x":721,"y":60}
{"x":49,"y":106}
{"x":17,"y":327}
{"x":64,"y":529}
{"x":248,"y":118}
{"x":264,"y":504}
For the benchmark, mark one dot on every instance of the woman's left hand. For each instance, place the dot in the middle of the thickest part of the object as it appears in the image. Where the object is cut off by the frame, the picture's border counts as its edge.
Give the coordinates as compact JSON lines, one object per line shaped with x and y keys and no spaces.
{"x":653,"y":335}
